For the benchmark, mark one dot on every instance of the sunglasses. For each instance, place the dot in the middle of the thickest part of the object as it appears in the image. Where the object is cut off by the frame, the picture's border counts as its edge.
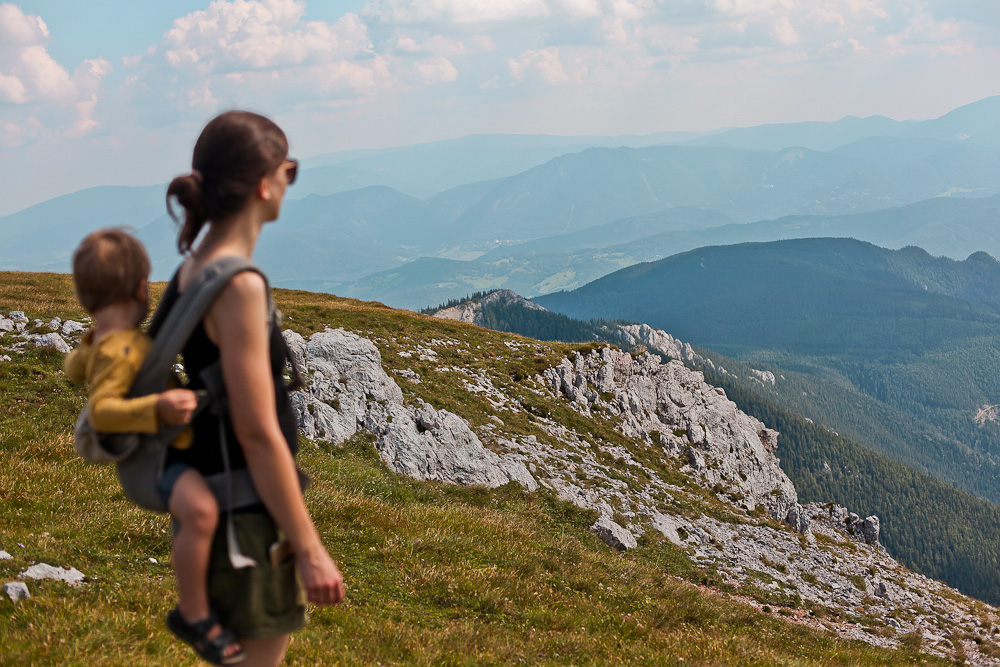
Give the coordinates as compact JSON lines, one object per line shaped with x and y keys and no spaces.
{"x":292,"y":171}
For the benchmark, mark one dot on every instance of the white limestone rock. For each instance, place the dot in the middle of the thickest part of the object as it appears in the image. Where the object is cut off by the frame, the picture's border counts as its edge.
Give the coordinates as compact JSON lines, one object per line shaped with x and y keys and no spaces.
{"x":16,"y":591}
{"x":18,"y":316}
{"x":348,"y":390}
{"x":614,"y":535}
{"x":72,"y":327}
{"x":6,"y":324}
{"x":667,"y":525}
{"x":670,"y":404}
{"x":70,"y":575}
{"x":5,"y":556}
{"x":52,"y":340}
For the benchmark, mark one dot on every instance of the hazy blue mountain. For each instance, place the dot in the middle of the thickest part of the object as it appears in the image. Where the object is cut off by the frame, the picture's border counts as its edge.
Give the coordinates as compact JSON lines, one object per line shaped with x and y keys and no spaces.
{"x":599,"y":185}
{"x":975,"y":123}
{"x":340,"y":236}
{"x":918,"y":334}
{"x":814,"y":135}
{"x":427,"y":169}
{"x":616,"y":232}
{"x":953,"y":227}
{"x":43,"y":237}
{"x":889,"y":150}
{"x":590,"y":203}
{"x":949,"y":226}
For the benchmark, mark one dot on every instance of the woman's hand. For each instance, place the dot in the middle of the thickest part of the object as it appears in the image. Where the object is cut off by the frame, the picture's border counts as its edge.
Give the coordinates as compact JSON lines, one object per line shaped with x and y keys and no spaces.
{"x":320,"y":576}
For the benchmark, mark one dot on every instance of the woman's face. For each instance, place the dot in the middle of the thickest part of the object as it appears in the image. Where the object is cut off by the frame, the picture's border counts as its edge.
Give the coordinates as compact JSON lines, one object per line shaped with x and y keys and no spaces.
{"x":279,"y":181}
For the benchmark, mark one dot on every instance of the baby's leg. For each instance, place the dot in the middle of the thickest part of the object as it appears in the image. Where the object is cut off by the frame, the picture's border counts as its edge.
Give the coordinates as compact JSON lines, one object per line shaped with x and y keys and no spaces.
{"x":193,"y":506}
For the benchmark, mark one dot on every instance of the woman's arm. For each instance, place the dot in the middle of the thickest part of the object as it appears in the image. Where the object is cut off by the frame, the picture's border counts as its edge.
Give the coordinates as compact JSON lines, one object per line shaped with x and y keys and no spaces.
{"x":237,"y":323}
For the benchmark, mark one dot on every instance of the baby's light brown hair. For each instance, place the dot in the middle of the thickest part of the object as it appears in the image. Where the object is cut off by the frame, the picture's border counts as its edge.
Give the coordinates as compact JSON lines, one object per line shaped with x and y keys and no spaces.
{"x":108,"y":267}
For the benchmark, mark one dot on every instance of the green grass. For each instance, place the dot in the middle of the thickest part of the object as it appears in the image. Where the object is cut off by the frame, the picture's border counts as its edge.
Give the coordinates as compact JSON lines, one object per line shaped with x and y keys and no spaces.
{"x":436,"y":574}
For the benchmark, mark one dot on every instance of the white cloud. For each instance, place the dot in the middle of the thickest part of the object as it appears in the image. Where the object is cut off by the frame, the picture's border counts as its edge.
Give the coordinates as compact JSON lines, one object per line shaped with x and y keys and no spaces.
{"x":436,"y":70}
{"x":543,"y":65}
{"x":425,"y":43}
{"x":20,"y":29}
{"x":409,"y":12}
{"x":33,"y":85}
{"x":262,"y":54}
{"x":259,"y":34}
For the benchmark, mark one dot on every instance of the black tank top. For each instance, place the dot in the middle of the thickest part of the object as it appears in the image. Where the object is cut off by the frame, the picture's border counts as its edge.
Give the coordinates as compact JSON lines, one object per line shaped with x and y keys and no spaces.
{"x":205,"y":454}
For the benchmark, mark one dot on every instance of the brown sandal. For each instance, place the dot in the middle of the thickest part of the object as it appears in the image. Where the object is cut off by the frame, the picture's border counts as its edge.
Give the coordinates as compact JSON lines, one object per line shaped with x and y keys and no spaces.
{"x":211,"y":649}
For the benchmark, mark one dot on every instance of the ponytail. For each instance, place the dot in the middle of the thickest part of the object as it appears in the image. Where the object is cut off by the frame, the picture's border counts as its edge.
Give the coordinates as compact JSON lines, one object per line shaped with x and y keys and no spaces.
{"x":187,"y":190}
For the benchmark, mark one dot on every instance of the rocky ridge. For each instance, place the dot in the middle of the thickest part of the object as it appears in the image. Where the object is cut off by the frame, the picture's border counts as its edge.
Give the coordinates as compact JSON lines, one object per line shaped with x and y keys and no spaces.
{"x":821,"y":563}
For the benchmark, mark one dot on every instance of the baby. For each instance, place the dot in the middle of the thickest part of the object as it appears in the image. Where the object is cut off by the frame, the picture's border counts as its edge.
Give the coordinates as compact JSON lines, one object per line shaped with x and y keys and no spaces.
{"x":111,"y":276}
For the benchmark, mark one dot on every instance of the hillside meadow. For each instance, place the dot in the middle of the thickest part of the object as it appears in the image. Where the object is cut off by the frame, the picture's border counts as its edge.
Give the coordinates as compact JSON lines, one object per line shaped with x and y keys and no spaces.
{"x":436,"y":574}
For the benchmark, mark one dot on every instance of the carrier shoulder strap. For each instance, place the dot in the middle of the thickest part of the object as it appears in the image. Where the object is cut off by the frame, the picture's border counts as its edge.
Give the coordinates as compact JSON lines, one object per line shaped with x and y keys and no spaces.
{"x":173,"y":323}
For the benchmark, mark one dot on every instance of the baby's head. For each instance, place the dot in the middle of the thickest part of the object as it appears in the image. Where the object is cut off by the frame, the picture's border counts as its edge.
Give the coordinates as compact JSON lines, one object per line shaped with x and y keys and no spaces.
{"x":111,"y":266}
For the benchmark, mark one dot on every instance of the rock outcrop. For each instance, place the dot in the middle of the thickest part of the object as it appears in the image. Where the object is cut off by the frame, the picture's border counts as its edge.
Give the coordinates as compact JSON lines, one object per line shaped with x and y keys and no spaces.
{"x":670,"y":405}
{"x":347,"y":390}
{"x":472,"y":311}
{"x":56,"y":334}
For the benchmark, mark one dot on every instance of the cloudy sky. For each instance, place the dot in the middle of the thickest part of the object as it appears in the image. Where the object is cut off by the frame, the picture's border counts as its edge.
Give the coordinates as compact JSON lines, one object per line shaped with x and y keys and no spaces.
{"x":115,"y":91}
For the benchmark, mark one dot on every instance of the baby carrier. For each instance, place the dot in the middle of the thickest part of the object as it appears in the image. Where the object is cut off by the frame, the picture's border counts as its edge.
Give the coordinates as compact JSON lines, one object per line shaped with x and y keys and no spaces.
{"x":140,"y":457}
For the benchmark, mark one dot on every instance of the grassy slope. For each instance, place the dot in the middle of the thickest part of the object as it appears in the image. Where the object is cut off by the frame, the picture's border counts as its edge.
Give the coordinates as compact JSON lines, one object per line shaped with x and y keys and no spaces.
{"x":437,"y":574}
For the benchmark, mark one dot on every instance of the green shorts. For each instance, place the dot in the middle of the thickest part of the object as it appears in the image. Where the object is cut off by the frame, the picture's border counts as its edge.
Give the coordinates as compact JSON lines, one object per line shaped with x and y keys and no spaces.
{"x":256,"y":602}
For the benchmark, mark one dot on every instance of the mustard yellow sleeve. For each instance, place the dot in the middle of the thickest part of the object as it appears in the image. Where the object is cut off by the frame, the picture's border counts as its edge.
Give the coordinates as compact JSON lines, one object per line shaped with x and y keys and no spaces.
{"x":75,"y":366}
{"x":112,"y":371}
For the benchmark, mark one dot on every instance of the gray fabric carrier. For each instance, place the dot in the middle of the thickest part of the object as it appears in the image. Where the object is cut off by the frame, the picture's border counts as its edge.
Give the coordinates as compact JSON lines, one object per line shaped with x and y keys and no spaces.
{"x":140,"y":457}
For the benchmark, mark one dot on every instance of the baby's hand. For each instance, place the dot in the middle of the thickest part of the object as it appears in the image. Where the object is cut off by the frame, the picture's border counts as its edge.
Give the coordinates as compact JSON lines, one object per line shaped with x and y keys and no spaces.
{"x":175,"y":406}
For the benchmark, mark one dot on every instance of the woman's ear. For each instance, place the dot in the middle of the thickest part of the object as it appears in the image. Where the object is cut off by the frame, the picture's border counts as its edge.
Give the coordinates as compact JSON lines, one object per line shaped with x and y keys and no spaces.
{"x":264,"y":189}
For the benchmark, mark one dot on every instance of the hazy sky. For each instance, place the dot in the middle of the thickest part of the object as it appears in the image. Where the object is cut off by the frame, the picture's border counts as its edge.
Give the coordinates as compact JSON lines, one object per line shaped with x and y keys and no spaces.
{"x":97,"y":92}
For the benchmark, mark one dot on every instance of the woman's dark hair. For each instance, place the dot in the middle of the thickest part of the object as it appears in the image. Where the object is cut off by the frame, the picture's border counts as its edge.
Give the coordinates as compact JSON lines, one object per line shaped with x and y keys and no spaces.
{"x":235,"y":150}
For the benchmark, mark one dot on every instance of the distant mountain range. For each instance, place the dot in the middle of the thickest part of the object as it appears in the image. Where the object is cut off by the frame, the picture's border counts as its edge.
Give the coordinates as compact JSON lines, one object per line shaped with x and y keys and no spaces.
{"x":949,"y":226}
{"x":418,"y":225}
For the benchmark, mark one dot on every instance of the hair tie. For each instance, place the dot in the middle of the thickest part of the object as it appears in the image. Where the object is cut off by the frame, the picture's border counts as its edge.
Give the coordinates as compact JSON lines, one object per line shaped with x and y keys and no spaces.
{"x":196,"y":175}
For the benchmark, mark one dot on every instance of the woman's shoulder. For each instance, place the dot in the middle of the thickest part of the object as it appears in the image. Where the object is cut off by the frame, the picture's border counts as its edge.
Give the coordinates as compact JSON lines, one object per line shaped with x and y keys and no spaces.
{"x":247,"y":282}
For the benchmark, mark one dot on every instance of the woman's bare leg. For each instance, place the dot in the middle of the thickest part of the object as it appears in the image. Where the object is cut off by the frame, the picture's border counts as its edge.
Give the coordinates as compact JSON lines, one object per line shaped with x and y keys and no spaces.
{"x":264,"y":652}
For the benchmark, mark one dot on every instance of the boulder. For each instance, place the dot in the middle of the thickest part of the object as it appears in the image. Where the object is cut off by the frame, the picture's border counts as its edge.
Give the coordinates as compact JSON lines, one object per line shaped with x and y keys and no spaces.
{"x":70,"y":575}
{"x":72,"y":327}
{"x":52,"y":340}
{"x":18,"y":316}
{"x":16,"y":591}
{"x":348,"y":390}
{"x":6,"y":325}
{"x":614,"y":535}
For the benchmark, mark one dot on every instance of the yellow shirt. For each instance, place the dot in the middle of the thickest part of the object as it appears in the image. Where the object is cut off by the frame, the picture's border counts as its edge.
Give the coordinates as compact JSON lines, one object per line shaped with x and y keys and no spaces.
{"x":108,"y":368}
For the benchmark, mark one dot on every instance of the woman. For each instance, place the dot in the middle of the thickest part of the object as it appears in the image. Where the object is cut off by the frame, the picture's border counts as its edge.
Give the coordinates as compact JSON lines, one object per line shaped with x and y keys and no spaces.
{"x":240,"y":172}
